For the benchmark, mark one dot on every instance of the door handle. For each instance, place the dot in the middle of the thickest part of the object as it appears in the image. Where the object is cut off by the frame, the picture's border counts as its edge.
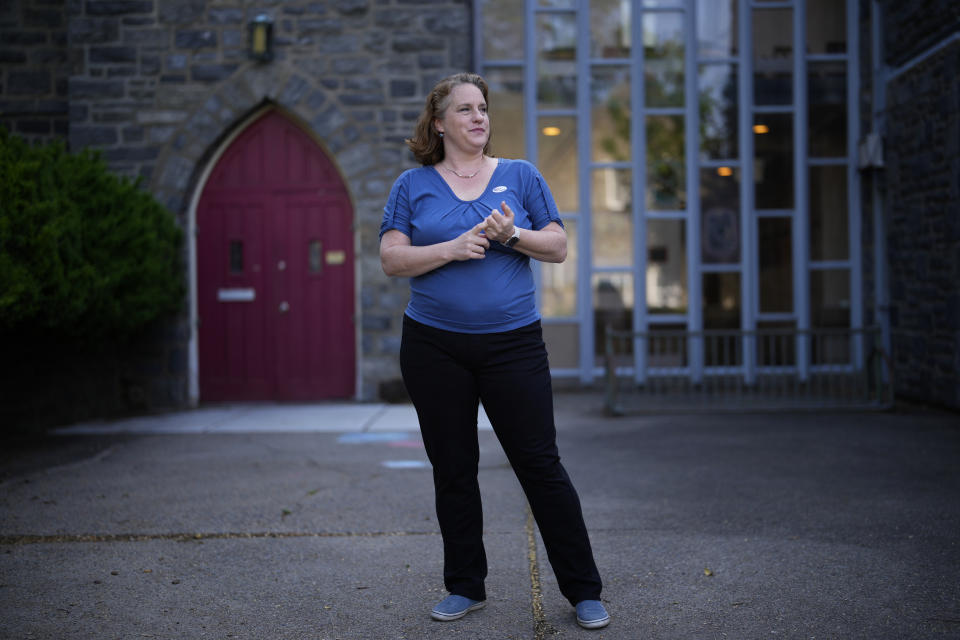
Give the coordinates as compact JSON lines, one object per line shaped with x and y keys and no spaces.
{"x":284,"y":306}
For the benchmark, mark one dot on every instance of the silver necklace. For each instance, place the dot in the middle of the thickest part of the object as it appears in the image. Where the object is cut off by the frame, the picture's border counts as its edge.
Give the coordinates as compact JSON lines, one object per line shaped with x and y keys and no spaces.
{"x":460,"y":175}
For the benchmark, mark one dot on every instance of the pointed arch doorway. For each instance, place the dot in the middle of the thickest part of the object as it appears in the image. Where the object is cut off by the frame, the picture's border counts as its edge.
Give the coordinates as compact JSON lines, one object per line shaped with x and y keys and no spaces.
{"x":275,"y":271}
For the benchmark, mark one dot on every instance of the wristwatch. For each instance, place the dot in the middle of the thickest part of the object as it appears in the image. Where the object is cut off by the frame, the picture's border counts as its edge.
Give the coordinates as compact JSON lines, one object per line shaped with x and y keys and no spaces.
{"x":514,"y":239}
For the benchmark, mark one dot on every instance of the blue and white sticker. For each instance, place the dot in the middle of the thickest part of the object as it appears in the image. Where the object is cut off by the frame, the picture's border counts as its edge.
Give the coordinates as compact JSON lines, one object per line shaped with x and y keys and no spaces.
{"x":499,"y":189}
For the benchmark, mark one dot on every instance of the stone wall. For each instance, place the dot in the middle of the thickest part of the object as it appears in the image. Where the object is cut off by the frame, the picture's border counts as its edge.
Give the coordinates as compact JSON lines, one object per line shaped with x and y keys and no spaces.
{"x":922,"y":191}
{"x":33,"y":69}
{"x":157,"y":86}
{"x":59,"y":382}
{"x":912,"y":27}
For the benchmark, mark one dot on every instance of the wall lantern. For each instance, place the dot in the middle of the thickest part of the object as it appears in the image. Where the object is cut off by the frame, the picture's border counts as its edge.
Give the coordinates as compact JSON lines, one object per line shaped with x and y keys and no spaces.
{"x":261,"y":38}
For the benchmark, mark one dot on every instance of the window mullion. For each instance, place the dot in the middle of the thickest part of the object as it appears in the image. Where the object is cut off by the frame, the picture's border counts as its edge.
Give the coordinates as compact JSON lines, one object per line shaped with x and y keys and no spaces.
{"x":853,"y":180}
{"x":478,"y":40}
{"x":801,"y":217}
{"x":747,"y":190}
{"x":691,"y":149}
{"x":585,"y":227}
{"x":530,"y":79}
{"x":638,"y":146}
{"x":530,"y":114}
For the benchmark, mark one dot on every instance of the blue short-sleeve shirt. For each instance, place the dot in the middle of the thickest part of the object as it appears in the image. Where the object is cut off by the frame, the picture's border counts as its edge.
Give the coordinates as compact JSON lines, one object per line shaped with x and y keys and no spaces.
{"x":488,"y":295}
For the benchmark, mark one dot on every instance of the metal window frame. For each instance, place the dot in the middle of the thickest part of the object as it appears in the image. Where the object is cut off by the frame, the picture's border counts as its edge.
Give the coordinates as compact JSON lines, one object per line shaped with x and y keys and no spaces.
{"x":748,"y":267}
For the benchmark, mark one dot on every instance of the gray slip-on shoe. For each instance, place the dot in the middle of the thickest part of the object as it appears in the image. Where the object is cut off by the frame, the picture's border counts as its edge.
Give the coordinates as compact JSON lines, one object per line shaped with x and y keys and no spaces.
{"x":592,"y":615}
{"x":454,"y":607}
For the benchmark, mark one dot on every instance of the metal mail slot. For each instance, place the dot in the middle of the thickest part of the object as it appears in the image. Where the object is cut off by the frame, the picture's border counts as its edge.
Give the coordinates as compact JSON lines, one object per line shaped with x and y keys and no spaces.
{"x":236,"y":295}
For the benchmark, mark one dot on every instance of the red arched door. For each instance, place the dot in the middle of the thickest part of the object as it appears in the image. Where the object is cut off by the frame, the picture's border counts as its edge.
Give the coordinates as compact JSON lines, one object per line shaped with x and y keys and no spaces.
{"x":275,"y":271}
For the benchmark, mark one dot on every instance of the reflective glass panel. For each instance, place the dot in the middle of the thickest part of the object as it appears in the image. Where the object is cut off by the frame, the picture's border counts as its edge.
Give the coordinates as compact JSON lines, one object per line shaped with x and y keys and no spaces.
{"x":776,"y":344}
{"x":556,"y":61}
{"x":775,"y":256}
{"x":508,"y":133}
{"x":829,"y":232}
{"x":829,"y":298}
{"x":236,"y":256}
{"x":610,"y":28}
{"x":563,"y":344}
{"x":666,"y":171}
{"x":717,"y":28}
{"x":610,"y":111}
{"x":773,"y":166}
{"x":663,"y":52}
{"x":315,"y":256}
{"x":551,"y":4}
{"x":720,"y":215}
{"x":557,"y":159}
{"x":773,"y":56}
{"x":611,"y":219}
{"x":663,"y":3}
{"x":613,"y":291}
{"x":830,"y":308}
{"x":612,"y":306}
{"x":558,"y":282}
{"x":666,"y":266}
{"x":721,"y":300}
{"x":502,"y":30}
{"x":827,"y":98}
{"x":723,"y":350}
{"x":667,"y":346}
{"x":718,"y":111}
{"x":826,"y":26}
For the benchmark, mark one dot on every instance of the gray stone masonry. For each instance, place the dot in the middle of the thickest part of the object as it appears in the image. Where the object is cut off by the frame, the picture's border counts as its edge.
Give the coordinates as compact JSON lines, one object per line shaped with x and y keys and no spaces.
{"x":33,"y":69}
{"x":159,"y":86}
{"x":921,"y":180}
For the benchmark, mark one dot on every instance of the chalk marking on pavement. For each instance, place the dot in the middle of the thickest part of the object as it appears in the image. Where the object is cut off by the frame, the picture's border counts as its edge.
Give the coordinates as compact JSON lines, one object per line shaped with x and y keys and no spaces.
{"x":373,"y":438}
{"x":540,"y":625}
{"x":406,"y":464}
{"x":188,"y":537}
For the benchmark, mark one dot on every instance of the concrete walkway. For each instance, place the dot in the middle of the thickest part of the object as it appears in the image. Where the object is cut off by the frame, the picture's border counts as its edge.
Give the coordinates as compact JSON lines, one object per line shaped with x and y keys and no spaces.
{"x":317,"y":522}
{"x":267,"y":418}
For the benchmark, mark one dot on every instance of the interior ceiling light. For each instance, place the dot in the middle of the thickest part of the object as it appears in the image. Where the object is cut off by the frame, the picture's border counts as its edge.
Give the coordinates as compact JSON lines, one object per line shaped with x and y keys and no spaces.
{"x":551,"y":131}
{"x":761,"y":128}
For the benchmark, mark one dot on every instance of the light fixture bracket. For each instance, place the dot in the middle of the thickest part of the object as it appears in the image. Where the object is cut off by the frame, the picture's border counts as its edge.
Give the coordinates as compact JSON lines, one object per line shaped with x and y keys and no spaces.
{"x":260,"y":40}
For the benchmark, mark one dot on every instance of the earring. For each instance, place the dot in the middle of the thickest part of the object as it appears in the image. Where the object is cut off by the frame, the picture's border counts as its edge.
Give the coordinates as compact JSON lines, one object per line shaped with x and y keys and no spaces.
{"x":441,"y":133}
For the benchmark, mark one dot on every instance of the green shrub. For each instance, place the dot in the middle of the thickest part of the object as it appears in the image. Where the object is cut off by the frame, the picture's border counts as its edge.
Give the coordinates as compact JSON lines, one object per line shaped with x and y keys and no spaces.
{"x":83,"y":252}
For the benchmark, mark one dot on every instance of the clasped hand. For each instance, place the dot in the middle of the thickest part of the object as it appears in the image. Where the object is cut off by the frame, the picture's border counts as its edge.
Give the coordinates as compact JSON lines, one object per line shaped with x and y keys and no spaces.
{"x":500,"y":225}
{"x":473,"y":244}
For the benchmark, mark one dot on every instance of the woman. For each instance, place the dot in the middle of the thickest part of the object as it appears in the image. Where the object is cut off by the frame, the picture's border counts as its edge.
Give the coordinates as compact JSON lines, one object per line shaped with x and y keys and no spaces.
{"x":471,"y":332}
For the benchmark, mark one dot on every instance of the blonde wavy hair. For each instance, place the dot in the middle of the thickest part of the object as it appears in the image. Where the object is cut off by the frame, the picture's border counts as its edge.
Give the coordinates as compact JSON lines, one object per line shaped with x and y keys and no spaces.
{"x":426,"y":143}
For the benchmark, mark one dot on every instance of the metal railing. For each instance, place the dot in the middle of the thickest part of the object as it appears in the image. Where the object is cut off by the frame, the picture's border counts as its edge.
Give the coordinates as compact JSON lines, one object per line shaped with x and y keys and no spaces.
{"x":676,"y":370}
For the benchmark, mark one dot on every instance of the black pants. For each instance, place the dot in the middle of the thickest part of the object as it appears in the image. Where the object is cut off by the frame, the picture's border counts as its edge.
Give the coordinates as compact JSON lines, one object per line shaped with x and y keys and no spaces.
{"x":446,"y":375}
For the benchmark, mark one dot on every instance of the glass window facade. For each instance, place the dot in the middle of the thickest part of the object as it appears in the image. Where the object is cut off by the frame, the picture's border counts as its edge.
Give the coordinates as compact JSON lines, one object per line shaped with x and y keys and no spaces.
{"x":700,"y":152}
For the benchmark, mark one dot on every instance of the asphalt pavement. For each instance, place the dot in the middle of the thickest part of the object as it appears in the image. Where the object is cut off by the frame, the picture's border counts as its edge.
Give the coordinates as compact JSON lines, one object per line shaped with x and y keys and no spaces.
{"x":317,"y":521}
